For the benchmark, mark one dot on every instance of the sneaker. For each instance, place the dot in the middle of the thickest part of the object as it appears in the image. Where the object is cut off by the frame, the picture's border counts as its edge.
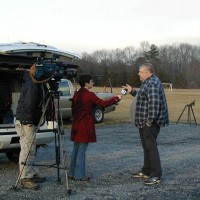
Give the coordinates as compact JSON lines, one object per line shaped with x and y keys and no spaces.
{"x":70,"y":177}
{"x":139,"y":174}
{"x":28,"y":183}
{"x":84,"y":179}
{"x":38,"y":179}
{"x":152,"y":181}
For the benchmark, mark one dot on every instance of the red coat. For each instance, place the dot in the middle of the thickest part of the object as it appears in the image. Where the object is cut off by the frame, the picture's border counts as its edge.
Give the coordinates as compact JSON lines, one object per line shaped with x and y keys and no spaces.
{"x":83,"y":125}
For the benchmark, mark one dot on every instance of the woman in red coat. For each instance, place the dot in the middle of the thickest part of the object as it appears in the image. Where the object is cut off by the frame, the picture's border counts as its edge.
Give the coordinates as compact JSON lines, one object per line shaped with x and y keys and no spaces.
{"x":83,"y":125}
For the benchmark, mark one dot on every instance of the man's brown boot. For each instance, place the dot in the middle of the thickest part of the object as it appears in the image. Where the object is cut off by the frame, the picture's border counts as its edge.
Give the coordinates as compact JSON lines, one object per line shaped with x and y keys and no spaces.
{"x":28,"y":183}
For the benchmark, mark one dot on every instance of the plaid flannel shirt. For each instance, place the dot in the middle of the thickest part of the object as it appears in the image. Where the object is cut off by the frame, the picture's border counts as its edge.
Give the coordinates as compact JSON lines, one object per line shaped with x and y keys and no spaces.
{"x":151,"y":105}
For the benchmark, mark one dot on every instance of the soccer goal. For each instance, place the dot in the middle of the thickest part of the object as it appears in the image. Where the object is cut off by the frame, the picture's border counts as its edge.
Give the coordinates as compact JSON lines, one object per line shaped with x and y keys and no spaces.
{"x":167,"y":85}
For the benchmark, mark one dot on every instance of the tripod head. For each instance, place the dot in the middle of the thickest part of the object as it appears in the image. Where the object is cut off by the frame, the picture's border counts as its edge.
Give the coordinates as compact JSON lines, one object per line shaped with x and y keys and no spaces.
{"x":52,"y":88}
{"x":191,"y":104}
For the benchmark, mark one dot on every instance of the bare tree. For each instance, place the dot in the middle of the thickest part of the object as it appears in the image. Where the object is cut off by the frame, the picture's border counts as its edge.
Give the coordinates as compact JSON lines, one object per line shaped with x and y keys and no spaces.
{"x":177,"y":63}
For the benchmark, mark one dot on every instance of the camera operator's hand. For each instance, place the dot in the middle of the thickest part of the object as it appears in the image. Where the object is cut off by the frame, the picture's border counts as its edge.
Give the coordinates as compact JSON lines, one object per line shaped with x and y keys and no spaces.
{"x":29,"y":125}
{"x":127,"y":87}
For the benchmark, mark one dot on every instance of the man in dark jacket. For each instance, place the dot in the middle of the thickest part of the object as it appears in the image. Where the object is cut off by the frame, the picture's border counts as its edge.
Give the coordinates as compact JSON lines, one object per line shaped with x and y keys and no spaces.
{"x":28,"y":115}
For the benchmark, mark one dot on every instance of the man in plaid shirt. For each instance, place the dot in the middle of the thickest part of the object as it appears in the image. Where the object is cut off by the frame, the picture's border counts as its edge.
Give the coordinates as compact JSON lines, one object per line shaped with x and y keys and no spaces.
{"x":149,"y":112}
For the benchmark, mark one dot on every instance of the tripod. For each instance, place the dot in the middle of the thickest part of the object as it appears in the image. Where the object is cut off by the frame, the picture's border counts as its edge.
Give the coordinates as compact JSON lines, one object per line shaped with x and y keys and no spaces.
{"x":59,"y":133}
{"x":190,"y":110}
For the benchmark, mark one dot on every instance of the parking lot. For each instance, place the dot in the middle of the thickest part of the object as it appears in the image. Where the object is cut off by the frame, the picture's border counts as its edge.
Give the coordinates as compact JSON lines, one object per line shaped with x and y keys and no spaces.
{"x":110,"y":161}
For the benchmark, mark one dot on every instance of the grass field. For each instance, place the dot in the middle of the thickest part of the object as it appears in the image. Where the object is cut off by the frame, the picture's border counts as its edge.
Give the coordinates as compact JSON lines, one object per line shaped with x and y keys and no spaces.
{"x":177,"y":100}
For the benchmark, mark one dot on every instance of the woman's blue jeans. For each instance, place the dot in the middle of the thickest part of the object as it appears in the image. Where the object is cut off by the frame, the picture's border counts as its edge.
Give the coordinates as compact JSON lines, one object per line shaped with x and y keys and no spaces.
{"x":77,"y":164}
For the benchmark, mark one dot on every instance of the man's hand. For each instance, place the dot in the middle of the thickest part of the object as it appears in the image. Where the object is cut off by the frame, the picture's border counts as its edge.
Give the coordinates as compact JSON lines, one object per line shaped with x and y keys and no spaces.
{"x":148,"y":124}
{"x":128,"y":87}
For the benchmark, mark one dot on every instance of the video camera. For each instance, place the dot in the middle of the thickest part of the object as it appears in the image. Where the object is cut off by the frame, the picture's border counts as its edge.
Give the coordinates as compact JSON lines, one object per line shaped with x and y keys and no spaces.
{"x":54,"y":69}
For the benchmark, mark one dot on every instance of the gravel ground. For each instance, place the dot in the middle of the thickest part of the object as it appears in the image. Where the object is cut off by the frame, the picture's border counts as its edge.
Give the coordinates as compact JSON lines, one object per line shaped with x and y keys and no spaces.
{"x":110,"y":161}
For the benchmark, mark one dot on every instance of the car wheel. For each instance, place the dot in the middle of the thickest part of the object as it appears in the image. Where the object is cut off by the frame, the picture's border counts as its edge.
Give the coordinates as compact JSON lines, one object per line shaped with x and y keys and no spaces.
{"x":98,"y":114}
{"x":13,"y":156}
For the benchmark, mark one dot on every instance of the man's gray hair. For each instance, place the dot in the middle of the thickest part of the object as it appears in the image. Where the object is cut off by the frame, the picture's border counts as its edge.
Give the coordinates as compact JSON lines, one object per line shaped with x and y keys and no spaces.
{"x":148,"y":66}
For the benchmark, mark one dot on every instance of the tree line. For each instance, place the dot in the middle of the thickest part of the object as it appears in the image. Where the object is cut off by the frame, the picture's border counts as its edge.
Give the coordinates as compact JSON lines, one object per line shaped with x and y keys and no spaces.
{"x":178,"y":64}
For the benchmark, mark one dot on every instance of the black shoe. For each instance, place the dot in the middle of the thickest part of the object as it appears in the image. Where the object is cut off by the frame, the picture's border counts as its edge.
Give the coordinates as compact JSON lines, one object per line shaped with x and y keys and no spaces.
{"x":152,"y":181}
{"x":84,"y":179}
{"x":70,"y":177}
{"x":38,"y":179}
{"x":139,"y":174}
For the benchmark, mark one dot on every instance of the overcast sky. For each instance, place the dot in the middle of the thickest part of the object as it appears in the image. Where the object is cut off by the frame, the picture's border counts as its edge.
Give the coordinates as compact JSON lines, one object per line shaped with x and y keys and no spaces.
{"x":87,"y":25}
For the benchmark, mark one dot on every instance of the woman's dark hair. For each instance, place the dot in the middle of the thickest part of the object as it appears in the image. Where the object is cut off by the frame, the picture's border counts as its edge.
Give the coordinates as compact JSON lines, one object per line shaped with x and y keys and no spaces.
{"x":83,"y":79}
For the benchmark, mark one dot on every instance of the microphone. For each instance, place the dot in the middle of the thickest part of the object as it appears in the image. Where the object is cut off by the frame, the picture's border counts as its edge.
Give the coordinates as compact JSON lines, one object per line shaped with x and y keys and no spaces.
{"x":124,"y":91}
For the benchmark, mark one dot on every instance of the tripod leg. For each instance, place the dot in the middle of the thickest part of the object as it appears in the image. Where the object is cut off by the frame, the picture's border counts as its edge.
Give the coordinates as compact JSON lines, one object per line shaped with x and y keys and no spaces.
{"x":64,"y":155}
{"x":181,"y":115}
{"x":189,"y":115}
{"x":57,"y":153}
{"x":18,"y":178}
{"x":194,"y":116}
{"x":58,"y":159}
{"x":57,"y":135}
{"x":66,"y":174}
{"x":60,"y":134}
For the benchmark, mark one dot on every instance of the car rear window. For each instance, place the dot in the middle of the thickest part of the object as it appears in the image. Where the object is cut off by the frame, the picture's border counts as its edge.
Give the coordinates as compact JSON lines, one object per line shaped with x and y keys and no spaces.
{"x":64,"y":88}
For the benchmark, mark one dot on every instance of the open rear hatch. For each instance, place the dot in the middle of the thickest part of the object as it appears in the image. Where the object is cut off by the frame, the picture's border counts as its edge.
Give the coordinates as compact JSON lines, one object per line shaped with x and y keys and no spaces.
{"x":14,"y":59}
{"x":13,"y":55}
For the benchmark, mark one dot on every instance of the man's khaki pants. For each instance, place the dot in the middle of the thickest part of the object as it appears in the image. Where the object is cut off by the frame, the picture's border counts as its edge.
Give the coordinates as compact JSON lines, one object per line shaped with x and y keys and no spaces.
{"x":28,"y":148}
